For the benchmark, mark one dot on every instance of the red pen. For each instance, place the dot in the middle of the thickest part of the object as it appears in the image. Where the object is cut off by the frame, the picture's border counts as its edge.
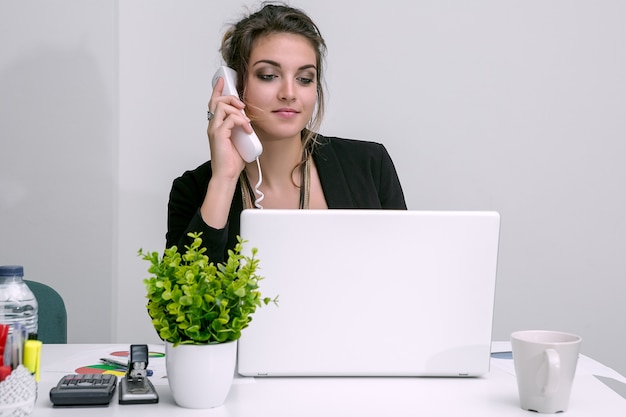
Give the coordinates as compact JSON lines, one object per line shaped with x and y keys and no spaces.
{"x":4,"y":370}
{"x":4,"y":332}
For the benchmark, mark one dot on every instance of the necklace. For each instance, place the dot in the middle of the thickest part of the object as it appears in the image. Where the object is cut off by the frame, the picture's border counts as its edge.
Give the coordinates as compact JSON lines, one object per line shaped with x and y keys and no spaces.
{"x":305,"y":186}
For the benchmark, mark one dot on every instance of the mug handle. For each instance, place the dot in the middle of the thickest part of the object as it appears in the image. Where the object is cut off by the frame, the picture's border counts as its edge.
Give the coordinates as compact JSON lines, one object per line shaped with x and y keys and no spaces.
{"x":554,"y":371}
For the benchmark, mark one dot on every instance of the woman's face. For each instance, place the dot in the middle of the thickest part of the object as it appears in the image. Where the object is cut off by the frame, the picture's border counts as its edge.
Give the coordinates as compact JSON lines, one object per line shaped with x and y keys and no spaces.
{"x":281,"y":87}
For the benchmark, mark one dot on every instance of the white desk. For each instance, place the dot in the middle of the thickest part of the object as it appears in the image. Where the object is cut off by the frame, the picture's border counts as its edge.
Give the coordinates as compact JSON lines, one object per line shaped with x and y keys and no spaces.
{"x":492,"y":395}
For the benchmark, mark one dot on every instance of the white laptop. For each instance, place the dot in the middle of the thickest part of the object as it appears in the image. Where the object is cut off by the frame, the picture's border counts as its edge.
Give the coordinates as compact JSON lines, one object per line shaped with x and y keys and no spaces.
{"x":371,"y":293}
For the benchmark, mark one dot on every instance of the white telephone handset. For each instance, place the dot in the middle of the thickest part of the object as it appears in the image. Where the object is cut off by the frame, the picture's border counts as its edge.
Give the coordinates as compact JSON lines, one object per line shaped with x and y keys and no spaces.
{"x":248,"y":145}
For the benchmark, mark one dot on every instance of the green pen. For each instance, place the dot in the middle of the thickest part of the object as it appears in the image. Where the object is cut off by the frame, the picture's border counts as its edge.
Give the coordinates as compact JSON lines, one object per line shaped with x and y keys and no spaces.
{"x":120,"y":364}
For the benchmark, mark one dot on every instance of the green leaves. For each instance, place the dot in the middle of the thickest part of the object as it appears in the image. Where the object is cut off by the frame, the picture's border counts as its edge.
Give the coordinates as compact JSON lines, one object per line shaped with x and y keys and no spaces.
{"x":191,"y":300}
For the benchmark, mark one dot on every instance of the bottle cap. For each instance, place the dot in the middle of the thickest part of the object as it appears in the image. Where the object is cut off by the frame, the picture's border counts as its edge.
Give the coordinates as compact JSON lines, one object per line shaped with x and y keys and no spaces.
{"x":11,"y":270}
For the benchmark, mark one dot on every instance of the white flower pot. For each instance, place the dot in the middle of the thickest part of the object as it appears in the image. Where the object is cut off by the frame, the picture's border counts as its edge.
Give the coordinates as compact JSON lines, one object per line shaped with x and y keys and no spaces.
{"x":200,"y":376}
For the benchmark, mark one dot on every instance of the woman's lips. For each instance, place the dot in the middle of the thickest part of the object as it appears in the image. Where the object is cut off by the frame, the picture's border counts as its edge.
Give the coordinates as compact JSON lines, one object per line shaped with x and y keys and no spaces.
{"x":286,"y":112}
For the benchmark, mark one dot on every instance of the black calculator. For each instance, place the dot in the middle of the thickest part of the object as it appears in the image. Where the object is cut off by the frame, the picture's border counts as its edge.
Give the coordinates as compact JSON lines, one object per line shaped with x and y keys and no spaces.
{"x":84,"y":389}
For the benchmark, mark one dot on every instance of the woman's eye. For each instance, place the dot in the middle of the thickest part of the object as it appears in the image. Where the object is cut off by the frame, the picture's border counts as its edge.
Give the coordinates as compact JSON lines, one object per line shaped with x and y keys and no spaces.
{"x":266,"y":77}
{"x":304,"y":80}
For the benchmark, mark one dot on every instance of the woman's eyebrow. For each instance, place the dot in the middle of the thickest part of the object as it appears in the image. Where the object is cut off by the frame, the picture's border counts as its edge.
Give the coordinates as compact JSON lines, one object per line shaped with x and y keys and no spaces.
{"x":267,"y":61}
{"x":277,"y":65}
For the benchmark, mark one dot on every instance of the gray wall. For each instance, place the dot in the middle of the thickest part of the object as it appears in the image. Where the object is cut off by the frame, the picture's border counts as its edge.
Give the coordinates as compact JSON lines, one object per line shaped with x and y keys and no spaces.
{"x":514,"y":106}
{"x":58,"y":134}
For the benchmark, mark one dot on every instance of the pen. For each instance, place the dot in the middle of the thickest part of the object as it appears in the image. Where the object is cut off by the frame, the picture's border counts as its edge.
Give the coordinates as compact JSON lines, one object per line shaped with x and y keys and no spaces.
{"x":121,"y":365}
{"x":115,"y":362}
{"x":4,"y":333}
{"x":4,"y":370}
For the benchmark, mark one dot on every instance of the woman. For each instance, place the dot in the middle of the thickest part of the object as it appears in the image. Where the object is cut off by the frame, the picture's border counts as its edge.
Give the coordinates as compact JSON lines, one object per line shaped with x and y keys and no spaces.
{"x":278,"y":54}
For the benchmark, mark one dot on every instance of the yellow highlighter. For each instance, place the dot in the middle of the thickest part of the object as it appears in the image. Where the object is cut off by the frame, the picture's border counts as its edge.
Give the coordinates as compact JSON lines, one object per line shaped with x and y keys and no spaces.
{"x":32,"y":356}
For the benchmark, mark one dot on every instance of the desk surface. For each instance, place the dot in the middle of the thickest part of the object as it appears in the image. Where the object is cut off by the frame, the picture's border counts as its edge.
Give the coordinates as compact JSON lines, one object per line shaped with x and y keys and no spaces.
{"x":494,"y":394}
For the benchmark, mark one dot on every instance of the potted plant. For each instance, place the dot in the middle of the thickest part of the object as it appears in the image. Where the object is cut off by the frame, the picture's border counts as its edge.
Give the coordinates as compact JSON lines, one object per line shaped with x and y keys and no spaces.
{"x":199,"y":309}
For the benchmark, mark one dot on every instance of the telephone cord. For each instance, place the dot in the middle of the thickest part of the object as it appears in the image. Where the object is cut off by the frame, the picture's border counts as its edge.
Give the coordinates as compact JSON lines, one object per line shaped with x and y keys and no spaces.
{"x":260,"y":194}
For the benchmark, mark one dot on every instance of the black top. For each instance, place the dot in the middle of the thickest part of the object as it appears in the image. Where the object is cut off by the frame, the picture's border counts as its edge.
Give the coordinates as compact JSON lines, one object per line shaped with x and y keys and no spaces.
{"x":353,"y":174}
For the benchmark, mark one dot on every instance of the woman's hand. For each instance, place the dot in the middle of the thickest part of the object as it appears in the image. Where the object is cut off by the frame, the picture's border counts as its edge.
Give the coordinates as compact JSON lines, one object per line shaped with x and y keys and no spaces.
{"x":226,"y":162}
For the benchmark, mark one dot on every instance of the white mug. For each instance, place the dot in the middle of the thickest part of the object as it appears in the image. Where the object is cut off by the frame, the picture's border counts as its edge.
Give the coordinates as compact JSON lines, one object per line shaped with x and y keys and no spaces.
{"x":545,"y":364}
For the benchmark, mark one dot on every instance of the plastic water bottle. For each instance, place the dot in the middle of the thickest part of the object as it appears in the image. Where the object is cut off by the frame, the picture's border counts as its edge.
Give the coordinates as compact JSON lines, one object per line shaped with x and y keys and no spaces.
{"x":17,"y":302}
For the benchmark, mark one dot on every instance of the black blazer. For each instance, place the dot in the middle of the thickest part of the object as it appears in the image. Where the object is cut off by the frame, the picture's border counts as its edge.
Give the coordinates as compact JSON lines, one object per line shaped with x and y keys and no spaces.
{"x":353,"y":174}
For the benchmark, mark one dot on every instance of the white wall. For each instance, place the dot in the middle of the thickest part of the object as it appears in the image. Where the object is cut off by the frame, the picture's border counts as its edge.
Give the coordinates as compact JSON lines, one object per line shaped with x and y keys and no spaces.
{"x":58,"y":134}
{"x":511,"y":106}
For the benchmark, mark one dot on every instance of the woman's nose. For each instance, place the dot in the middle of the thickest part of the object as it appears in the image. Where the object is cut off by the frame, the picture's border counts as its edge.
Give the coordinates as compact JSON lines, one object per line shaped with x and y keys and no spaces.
{"x":287,"y":91}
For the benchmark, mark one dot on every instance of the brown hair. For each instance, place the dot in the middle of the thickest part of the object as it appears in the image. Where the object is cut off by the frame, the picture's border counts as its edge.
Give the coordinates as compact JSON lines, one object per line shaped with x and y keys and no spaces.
{"x":272,"y":18}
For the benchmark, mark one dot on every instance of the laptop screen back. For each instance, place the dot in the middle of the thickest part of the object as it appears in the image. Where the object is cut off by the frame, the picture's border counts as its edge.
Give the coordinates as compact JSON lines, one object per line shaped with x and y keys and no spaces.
{"x":371,"y":293}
